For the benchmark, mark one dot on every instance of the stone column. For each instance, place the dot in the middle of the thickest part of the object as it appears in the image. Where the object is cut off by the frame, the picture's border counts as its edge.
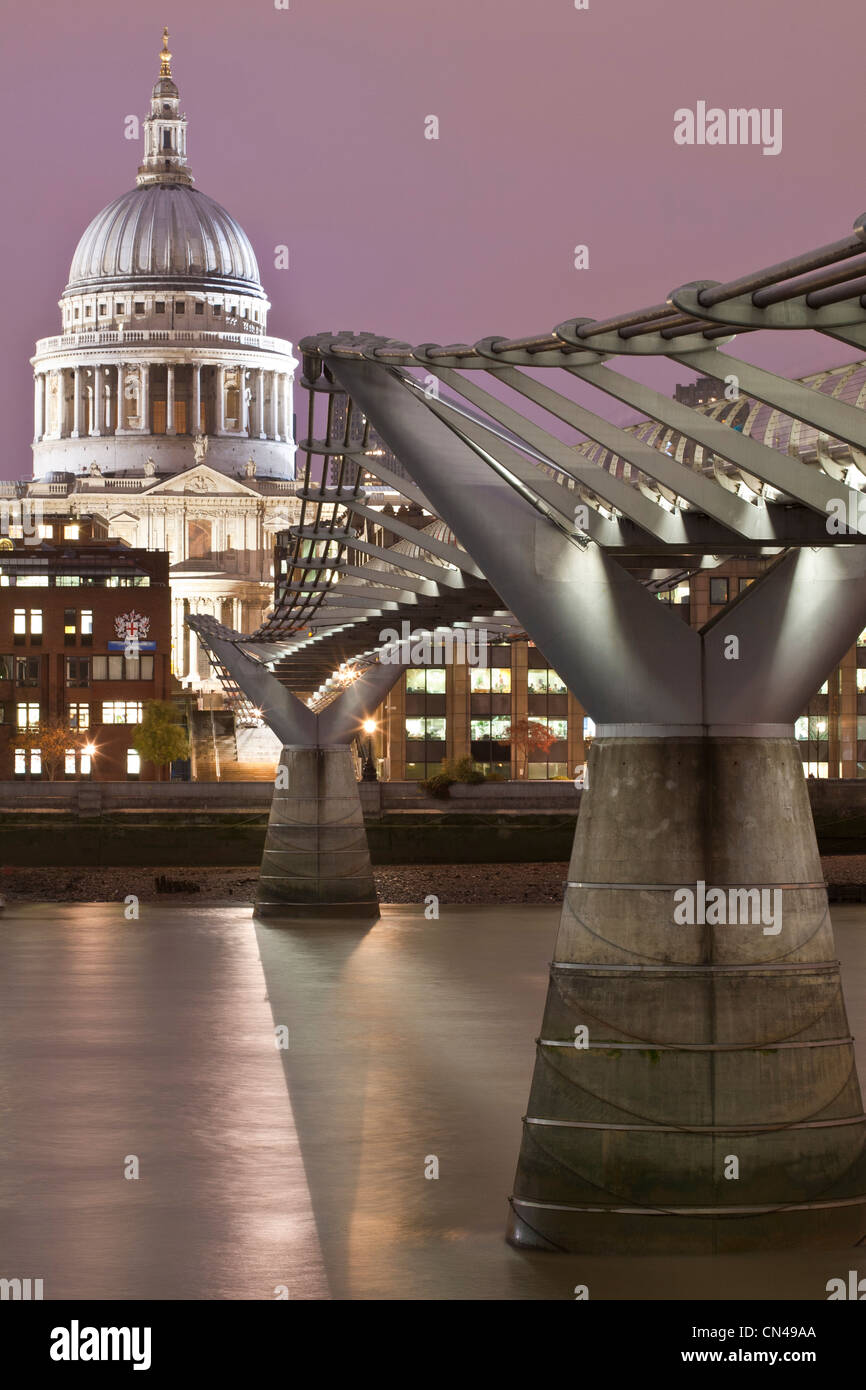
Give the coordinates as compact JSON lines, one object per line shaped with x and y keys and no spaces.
{"x":118,"y":424}
{"x":679,"y":1033}
{"x":195,"y":425}
{"x":96,"y":402}
{"x":76,"y":404}
{"x":316,"y":860}
{"x":169,"y":399}
{"x":243,"y":403}
{"x":260,"y":403}
{"x":221,"y":400}
{"x":145,"y":398}
{"x":287,"y":419}
{"x":275,"y":404}
{"x":38,"y":406}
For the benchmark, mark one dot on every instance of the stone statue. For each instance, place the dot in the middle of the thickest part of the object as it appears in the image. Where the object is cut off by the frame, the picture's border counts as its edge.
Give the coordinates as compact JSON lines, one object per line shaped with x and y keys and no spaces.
{"x":149,"y":468}
{"x":199,"y":448}
{"x":95,"y":471}
{"x":250,"y":468}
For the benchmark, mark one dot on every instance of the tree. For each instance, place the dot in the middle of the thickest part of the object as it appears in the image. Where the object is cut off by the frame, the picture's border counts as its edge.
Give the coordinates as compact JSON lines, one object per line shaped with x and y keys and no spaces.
{"x":529,"y":736}
{"x":54,"y":739}
{"x":160,"y":737}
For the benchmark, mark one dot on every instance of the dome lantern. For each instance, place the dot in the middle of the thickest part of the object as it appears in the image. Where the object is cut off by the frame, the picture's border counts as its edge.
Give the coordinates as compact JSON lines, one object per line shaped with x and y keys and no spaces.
{"x":164,"y":130}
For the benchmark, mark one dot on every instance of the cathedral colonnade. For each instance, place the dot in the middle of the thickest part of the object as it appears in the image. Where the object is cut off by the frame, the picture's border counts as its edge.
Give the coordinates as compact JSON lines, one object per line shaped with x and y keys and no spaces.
{"x":162,"y":398}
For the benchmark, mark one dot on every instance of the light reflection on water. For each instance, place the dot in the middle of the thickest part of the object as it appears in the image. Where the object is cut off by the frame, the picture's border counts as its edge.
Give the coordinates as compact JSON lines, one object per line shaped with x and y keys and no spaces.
{"x":155,"y":1038}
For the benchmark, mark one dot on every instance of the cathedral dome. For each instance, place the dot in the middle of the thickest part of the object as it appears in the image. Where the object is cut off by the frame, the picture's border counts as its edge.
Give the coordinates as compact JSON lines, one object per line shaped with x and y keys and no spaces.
{"x":159,"y":231}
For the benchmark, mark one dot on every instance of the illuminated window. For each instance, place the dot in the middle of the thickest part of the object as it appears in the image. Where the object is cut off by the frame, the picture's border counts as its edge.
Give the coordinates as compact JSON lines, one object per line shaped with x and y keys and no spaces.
{"x":28,"y":759}
{"x":72,"y":531}
{"x":70,"y":627}
{"x":79,"y":716}
{"x":121,"y":712}
{"x":28,"y":715}
{"x":133,"y":763}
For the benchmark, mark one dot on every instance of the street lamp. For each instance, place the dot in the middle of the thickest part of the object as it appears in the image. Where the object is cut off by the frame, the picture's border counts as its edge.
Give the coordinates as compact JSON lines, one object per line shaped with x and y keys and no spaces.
{"x":369,"y":771}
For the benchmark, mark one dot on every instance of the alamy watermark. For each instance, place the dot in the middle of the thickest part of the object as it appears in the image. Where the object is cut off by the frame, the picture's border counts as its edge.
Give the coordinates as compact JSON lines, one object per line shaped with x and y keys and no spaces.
{"x":711,"y":125}
{"x":442,"y":647}
{"x":22,"y":519}
{"x":732,"y":907}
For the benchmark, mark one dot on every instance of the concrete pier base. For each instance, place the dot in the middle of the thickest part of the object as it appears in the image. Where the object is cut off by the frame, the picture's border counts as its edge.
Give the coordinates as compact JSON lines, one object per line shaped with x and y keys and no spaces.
{"x":316,"y":862}
{"x":715,"y":1106}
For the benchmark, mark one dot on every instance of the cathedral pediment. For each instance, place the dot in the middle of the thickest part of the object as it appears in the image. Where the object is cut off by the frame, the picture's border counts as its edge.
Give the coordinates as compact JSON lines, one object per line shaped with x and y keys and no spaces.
{"x":202,"y":480}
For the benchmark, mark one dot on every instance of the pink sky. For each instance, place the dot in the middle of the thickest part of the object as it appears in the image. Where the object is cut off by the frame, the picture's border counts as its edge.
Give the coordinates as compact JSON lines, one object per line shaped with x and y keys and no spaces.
{"x":556,"y":128}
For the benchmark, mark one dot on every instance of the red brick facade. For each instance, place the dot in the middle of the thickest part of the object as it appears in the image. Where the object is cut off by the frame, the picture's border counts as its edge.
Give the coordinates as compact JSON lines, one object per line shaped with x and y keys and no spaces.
{"x":61,"y":607}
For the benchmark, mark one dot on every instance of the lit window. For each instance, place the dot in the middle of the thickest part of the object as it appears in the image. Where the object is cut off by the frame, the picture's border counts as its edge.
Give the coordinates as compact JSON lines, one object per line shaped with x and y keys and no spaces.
{"x":133,"y":763}
{"x":479,"y":679}
{"x":32,"y":581}
{"x":479,"y":728}
{"x":69,"y":762}
{"x":588,"y":727}
{"x":87,"y":627}
{"x":72,"y":531}
{"x":19,"y":624}
{"x":28,"y":715}
{"x":69,"y":627}
{"x":36,"y":624}
{"x":79,"y":716}
{"x":121,"y":712}
{"x":537,"y":682}
{"x":555,"y":686}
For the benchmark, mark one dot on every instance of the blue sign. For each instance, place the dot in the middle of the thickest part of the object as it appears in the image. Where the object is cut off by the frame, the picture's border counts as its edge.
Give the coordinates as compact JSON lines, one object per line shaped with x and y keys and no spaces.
{"x":133,"y":642}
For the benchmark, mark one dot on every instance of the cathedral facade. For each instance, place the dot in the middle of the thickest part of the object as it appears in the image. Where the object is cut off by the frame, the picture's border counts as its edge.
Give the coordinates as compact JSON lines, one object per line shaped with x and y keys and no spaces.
{"x":164,"y":405}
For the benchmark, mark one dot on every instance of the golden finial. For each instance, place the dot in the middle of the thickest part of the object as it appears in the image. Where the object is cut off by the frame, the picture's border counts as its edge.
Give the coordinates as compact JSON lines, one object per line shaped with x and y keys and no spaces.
{"x":165,"y":57}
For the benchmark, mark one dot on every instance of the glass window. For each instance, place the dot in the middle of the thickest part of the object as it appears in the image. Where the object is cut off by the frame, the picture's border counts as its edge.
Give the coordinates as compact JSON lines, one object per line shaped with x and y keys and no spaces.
{"x":500,"y":728}
{"x":414,"y":728}
{"x":479,"y":678}
{"x":436,"y":679}
{"x":415,"y":680}
{"x":537,"y":682}
{"x":69,"y":627}
{"x":28,"y":670}
{"x":133,"y":763}
{"x":20,"y":762}
{"x":32,"y":581}
{"x":77,"y":670}
{"x":86,"y":627}
{"x":861,"y":678}
{"x":558,"y":727}
{"x":147,"y":668}
{"x":588,"y":727}
{"x":19,"y":623}
{"x":69,"y":762}
{"x":555,"y":686}
{"x":35,"y":624}
{"x":718,"y":591}
{"x":132,"y":668}
{"x":435,"y":728}
{"x":100,"y":668}
{"x":7,"y":668}
{"x":801,"y":727}
{"x":500,"y":680}
{"x":479,"y":728}
{"x":115,"y":668}
{"x":28,"y":715}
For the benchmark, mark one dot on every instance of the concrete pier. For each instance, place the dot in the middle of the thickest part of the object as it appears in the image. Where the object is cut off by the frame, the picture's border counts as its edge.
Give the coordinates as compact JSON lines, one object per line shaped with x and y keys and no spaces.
{"x":715,"y":1106}
{"x":316,"y":861}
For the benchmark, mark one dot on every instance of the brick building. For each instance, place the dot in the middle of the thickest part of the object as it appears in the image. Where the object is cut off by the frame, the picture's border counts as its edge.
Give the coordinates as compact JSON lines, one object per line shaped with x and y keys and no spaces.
{"x":70,"y":600}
